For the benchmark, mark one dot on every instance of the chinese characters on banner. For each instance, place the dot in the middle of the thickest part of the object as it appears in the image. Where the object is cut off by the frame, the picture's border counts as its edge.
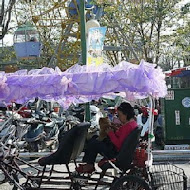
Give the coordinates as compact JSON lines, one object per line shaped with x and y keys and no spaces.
{"x":95,"y":45}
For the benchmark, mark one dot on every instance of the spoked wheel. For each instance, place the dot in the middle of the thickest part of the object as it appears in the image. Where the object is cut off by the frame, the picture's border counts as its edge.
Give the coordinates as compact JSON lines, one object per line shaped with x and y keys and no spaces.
{"x":15,"y":188}
{"x":2,"y":177}
{"x":11,"y":176}
{"x":76,"y":186}
{"x":15,"y":176}
{"x":130,"y":183}
{"x":33,"y":147}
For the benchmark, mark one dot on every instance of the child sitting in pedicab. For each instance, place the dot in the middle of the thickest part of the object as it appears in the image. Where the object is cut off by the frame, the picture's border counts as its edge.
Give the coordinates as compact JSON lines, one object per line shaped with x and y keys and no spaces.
{"x":115,"y":139}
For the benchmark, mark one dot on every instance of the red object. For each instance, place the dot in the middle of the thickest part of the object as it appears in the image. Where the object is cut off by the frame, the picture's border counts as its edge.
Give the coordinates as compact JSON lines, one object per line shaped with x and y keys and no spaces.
{"x":56,"y":109}
{"x":155,"y":112}
{"x":173,"y":73}
{"x":118,"y":137}
{"x":144,"y":111}
{"x":84,"y":169}
{"x":103,"y":161}
{"x":176,"y":72}
{"x":25,"y":112}
{"x":140,"y":157}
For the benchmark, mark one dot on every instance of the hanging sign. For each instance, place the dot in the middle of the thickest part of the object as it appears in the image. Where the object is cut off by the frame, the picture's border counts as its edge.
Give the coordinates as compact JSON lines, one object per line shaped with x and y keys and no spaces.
{"x":95,"y":45}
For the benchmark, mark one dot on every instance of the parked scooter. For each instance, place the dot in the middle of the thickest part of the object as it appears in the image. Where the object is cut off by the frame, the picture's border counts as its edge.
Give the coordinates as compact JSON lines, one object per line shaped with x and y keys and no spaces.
{"x":70,"y":121}
{"x":78,"y":112}
{"x":76,"y":115}
{"x":96,"y":114}
{"x":42,"y":133}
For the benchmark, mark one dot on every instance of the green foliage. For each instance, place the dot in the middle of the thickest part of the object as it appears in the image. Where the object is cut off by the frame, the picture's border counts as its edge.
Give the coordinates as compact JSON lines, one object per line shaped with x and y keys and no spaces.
{"x":149,"y":28}
{"x":148,"y":25}
{"x":185,"y":9}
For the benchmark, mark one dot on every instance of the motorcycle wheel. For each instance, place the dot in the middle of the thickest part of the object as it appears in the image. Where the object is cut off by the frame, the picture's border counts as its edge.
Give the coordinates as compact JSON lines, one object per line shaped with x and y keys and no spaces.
{"x":33,"y":147}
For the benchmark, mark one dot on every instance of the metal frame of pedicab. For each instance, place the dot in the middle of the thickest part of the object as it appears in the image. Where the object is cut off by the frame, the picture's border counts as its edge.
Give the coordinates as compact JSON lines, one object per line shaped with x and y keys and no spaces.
{"x":11,"y":169}
{"x":10,"y":161}
{"x":10,"y":165}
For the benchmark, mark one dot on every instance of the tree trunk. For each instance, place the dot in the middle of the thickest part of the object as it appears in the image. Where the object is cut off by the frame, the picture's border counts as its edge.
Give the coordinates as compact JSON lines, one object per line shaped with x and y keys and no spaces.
{"x":5,"y":13}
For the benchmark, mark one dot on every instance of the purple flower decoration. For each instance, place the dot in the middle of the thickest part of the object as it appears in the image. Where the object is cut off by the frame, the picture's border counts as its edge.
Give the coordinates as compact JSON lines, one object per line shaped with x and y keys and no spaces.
{"x":3,"y":86}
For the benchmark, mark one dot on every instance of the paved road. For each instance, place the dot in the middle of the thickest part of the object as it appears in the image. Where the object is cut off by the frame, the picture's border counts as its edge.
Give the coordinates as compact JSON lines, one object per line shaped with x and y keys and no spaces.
{"x":183,"y":165}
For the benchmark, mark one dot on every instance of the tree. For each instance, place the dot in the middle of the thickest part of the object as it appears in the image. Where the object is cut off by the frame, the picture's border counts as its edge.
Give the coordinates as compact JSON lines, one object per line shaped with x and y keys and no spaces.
{"x":137,"y":28}
{"x":5,"y":16}
{"x":142,"y":23}
{"x":182,"y":36}
{"x":59,"y":33}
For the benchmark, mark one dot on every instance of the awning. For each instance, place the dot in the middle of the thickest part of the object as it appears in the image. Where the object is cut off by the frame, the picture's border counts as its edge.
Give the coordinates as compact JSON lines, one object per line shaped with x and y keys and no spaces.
{"x":176,"y":72}
{"x":81,"y":83}
{"x":184,"y":73}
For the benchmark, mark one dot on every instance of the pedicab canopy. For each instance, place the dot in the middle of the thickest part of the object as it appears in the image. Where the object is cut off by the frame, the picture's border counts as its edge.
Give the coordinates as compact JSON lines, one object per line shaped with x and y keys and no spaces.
{"x":81,"y":83}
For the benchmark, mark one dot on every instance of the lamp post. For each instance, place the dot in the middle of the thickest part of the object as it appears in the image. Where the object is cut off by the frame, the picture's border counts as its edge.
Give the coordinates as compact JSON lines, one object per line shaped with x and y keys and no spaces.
{"x":84,"y":49}
{"x":1,"y":34}
{"x":91,"y":24}
{"x":1,"y":30}
{"x":83,"y":31}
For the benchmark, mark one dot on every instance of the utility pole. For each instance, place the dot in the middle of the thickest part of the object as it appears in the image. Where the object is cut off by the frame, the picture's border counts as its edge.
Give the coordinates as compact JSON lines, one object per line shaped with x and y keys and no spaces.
{"x":84,"y":48}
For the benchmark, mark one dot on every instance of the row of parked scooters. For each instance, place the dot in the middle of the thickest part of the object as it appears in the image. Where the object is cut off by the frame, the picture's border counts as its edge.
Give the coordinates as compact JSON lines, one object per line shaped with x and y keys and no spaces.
{"x":35,"y":130}
{"x":37,"y":127}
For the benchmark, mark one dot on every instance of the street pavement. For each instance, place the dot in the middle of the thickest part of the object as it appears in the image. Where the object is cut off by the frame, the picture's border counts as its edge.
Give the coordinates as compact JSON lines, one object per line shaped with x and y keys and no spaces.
{"x":182,"y":164}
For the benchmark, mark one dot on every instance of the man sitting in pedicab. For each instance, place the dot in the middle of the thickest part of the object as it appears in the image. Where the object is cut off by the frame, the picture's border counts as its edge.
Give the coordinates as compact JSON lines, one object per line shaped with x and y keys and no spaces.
{"x":109,"y":148}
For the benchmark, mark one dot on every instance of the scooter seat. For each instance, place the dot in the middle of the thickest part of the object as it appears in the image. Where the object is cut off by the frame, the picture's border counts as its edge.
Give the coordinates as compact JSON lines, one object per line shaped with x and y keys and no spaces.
{"x":34,"y":133}
{"x":21,"y":144}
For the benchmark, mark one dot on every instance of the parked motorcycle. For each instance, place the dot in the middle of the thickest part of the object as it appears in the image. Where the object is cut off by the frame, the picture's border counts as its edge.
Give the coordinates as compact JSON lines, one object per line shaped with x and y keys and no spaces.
{"x":70,"y":121}
{"x":96,"y":114}
{"x":78,"y":112}
{"x":42,"y":133}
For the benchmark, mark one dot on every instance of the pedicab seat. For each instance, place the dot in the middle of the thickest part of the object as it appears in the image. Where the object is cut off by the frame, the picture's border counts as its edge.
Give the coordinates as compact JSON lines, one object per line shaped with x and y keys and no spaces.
{"x":71,"y":145}
{"x":125,"y":157}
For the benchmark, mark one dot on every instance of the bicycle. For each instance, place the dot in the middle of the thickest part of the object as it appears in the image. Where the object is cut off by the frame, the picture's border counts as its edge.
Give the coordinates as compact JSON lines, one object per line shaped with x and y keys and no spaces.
{"x":129,"y":174}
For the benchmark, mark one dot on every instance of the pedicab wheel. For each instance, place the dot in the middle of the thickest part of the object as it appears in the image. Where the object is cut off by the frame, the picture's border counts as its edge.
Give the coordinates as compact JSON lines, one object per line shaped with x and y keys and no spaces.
{"x":17,"y":180}
{"x":76,"y":186}
{"x":2,"y":177}
{"x":14,"y":188}
{"x":130,"y":183}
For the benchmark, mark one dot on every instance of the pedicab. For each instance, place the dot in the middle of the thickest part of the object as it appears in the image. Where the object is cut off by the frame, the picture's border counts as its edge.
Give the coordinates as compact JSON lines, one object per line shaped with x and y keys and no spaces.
{"x":133,"y":168}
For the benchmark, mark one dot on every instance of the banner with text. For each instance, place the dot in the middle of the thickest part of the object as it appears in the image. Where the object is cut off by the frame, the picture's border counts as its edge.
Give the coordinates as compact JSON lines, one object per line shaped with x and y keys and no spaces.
{"x":95,"y":45}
